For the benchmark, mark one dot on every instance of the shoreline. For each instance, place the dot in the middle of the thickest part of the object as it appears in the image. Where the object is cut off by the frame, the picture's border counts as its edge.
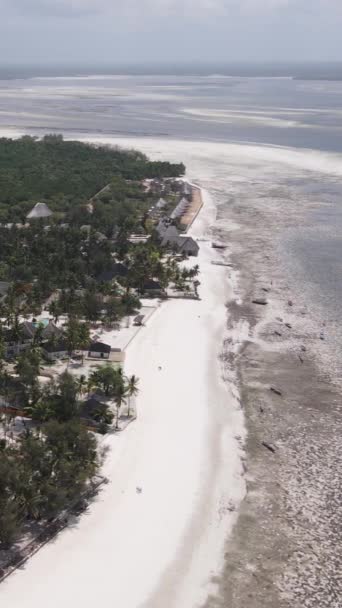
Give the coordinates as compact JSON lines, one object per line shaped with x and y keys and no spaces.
{"x":201,"y":554}
{"x":182,"y":445}
{"x":284,"y":549}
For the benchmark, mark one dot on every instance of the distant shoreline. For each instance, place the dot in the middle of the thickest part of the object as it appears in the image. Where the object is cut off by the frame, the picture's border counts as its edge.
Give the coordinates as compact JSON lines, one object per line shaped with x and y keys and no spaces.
{"x":326,"y":70}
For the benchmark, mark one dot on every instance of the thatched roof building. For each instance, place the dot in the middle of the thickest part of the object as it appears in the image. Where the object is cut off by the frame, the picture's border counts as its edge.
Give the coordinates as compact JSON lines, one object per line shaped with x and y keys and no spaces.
{"x":39,"y":211}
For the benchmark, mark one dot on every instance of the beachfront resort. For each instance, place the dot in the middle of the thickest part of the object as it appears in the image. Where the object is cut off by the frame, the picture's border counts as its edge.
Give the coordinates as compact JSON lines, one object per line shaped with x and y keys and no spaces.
{"x":79,"y":284}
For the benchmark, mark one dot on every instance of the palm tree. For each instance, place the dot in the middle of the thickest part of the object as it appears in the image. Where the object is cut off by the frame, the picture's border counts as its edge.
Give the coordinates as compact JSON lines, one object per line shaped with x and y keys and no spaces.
{"x":120,"y":398}
{"x":83,"y":338}
{"x":77,"y":335}
{"x":12,"y":320}
{"x":132,"y":391}
{"x":10,"y":307}
{"x":194,"y":271}
{"x":40,"y":412}
{"x":55,"y":310}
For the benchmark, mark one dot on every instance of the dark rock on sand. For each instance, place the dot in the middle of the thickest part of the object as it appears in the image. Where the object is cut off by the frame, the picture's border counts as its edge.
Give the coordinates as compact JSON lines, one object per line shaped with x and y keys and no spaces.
{"x":275,"y":390}
{"x":268,"y":446}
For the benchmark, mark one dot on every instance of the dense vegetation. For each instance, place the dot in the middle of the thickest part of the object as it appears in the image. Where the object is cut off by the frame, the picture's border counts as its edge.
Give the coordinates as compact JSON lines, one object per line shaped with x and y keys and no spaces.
{"x":64,"y":174}
{"x":79,"y":263}
{"x":48,"y":466}
{"x":85,"y":238}
{"x":42,"y":472}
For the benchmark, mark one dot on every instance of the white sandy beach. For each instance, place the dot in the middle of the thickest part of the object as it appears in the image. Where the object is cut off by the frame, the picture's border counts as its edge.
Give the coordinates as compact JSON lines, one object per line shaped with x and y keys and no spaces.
{"x":160,"y":547}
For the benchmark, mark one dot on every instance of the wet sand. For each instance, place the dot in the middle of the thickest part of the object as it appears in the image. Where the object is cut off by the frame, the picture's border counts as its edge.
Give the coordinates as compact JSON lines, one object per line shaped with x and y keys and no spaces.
{"x":286,"y":547}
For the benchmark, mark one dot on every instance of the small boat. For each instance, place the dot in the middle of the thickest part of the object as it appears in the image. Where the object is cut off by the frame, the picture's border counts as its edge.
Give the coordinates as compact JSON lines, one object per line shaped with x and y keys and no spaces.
{"x":219,"y":245}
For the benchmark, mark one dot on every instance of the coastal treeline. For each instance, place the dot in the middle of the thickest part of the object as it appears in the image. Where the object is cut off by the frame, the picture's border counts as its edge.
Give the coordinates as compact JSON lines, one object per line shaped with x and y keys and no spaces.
{"x":81,"y":265}
{"x":42,"y":472}
{"x":70,"y":272}
{"x":97,"y":198}
{"x":48,"y":466}
{"x":65,"y":174}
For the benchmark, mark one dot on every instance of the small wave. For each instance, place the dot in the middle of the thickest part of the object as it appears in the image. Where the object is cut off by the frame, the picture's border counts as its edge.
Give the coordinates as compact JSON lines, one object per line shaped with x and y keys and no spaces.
{"x":249,"y":77}
{"x":84,"y":77}
{"x":235,"y":116}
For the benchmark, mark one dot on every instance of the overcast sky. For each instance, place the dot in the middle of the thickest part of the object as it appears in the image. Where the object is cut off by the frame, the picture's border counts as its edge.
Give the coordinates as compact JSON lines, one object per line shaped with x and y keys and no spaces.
{"x":115,"y":31}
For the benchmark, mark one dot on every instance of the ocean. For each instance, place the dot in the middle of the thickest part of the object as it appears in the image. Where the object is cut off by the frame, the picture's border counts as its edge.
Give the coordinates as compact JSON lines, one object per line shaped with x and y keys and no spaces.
{"x":268,"y":140}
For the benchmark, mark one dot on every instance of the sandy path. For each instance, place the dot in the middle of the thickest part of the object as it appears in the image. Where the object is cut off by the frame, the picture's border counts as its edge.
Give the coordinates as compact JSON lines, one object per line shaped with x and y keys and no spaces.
{"x":136,"y":549}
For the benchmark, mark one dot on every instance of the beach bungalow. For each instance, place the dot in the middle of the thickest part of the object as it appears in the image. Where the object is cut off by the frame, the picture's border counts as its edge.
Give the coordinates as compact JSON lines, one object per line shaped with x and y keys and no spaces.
{"x":99,"y":350}
{"x":16,"y":342}
{"x":55,"y":351}
{"x":40,"y":211}
{"x":171,"y":236}
{"x":50,"y":331}
{"x":180,"y":209}
{"x":118,"y":270}
{"x":188,"y":245}
{"x":152,"y":287}
{"x":162,"y":226}
{"x":94,"y":409}
{"x":185,"y":244}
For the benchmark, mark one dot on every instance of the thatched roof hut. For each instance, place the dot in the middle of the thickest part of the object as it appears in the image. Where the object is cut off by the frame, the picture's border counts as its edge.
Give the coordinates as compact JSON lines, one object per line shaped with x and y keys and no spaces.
{"x":39,"y":211}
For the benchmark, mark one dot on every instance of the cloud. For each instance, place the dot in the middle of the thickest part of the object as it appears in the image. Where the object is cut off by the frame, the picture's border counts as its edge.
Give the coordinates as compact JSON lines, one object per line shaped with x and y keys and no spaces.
{"x":144,"y":11}
{"x":153,"y":30}
{"x":57,"y":8}
{"x":160,"y":8}
{"x":66,"y":8}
